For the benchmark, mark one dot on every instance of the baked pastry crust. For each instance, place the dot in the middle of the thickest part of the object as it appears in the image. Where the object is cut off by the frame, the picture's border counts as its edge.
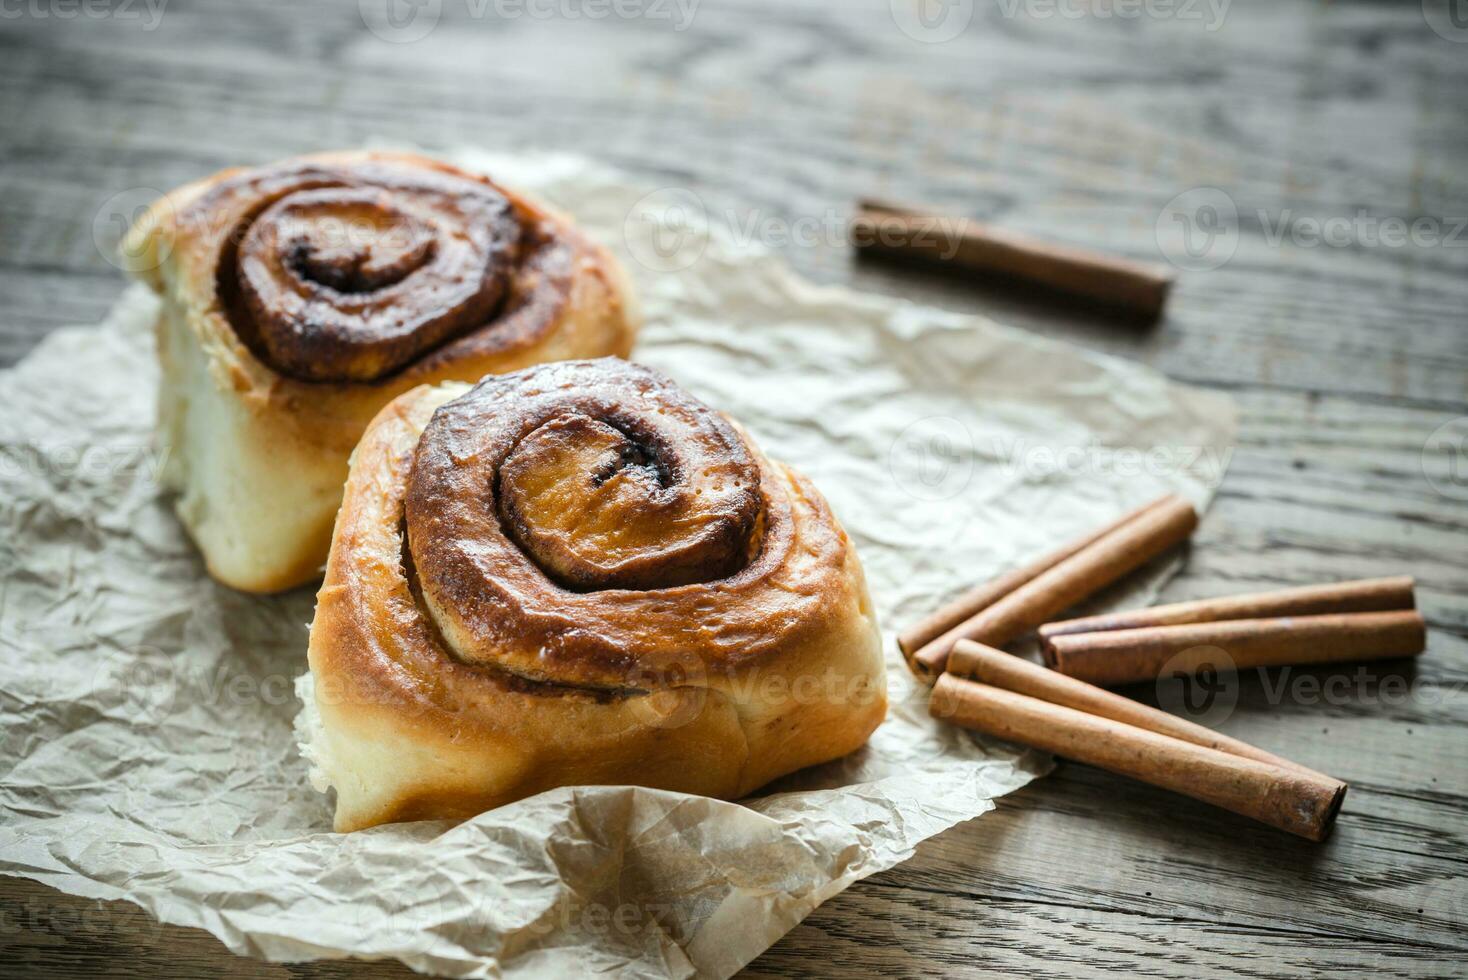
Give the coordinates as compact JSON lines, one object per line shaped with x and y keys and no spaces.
{"x":453,"y":673}
{"x":257,"y":444}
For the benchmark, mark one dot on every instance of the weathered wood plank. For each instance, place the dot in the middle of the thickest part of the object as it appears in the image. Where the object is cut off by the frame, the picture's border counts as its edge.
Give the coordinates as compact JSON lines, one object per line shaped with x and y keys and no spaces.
{"x":1263,"y":318}
{"x":881,"y":930}
{"x":876,"y":927}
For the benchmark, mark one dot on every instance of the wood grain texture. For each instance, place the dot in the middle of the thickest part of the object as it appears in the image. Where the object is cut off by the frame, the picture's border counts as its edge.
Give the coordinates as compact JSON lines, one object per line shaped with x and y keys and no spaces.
{"x":1343,"y":359}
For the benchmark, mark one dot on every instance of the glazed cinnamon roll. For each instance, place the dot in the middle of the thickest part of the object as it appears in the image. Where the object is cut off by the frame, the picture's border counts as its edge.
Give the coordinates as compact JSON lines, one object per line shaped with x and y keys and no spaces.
{"x":578,"y":574}
{"x":300,"y":298}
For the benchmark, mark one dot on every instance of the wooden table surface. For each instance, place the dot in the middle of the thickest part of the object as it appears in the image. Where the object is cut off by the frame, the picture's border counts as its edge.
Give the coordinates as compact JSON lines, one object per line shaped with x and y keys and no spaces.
{"x":1336,"y":316}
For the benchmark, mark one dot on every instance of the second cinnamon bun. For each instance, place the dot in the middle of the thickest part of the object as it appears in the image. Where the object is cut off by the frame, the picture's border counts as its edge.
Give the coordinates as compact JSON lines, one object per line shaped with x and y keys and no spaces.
{"x":579,"y":574}
{"x":301,"y":297}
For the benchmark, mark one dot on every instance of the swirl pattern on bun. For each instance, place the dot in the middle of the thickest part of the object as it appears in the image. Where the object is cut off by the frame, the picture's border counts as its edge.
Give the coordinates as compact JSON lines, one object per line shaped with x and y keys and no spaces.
{"x":349,"y":283}
{"x":578,"y":573}
{"x":301,"y":297}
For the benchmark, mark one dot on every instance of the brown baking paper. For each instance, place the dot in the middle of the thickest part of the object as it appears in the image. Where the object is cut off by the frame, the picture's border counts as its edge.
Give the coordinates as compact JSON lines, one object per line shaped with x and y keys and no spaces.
{"x":147,"y":713}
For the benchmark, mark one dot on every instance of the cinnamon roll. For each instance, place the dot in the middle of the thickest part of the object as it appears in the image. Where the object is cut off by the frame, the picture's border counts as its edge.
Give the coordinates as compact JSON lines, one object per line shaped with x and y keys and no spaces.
{"x":578,"y":574}
{"x":300,"y":298}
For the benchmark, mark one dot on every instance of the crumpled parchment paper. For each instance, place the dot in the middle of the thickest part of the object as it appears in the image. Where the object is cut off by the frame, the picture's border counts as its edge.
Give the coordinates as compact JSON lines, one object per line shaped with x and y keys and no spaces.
{"x":146,"y":712}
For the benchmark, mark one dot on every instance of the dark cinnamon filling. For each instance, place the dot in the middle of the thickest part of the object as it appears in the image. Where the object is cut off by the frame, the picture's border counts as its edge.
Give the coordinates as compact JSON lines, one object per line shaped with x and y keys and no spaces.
{"x":507,"y":680}
{"x":350,"y":276}
{"x":607,"y":503}
{"x":576,"y":483}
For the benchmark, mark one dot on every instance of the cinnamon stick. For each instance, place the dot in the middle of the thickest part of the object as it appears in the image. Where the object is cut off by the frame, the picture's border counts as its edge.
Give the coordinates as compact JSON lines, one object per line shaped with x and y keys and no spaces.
{"x":927,"y":236}
{"x":966,"y":606}
{"x":1299,"y":802}
{"x":1092,"y":568}
{"x":1131,"y":656}
{"x":1364,"y":595}
{"x":1010,"y":673}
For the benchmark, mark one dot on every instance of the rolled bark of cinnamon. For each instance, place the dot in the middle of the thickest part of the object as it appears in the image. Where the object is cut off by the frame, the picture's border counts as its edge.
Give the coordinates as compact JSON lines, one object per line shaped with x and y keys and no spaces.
{"x":1296,"y":801}
{"x":1132,"y":656}
{"x":966,"y":606}
{"x":1099,"y":564}
{"x":1364,"y":595}
{"x":1010,"y":673}
{"x":931,"y":237}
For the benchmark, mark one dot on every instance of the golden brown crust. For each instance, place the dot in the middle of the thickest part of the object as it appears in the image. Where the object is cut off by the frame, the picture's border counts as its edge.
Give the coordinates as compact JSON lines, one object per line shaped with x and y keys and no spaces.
{"x":715,"y":686}
{"x":544,"y":292}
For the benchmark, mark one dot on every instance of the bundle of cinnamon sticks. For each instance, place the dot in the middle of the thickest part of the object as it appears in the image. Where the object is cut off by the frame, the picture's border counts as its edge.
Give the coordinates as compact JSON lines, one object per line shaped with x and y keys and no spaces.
{"x":999,"y":611}
{"x":1060,"y":709}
